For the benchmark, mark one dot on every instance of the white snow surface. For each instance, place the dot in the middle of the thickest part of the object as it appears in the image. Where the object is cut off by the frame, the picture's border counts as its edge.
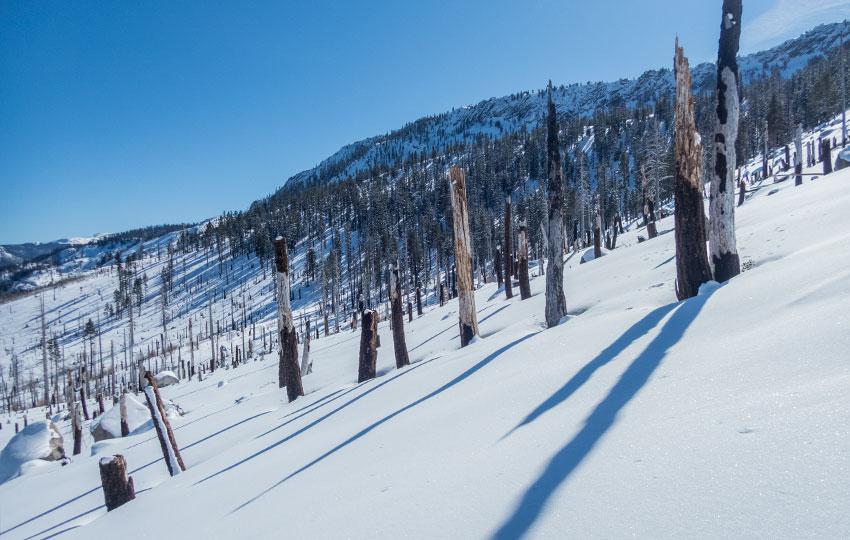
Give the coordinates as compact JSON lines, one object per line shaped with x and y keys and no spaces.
{"x":723,"y":416}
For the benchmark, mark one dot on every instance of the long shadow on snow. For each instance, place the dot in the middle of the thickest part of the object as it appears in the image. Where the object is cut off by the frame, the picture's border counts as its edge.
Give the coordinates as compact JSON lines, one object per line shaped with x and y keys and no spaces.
{"x":390,"y":416}
{"x":637,"y":330}
{"x":534,"y":500}
{"x":314,"y":422}
{"x":455,"y":327}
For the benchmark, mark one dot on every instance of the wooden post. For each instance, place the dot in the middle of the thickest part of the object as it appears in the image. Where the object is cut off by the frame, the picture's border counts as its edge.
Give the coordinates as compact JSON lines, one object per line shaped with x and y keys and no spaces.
{"x":368,"y":346}
{"x":509,"y":293}
{"x":289,"y":374}
{"x":468,"y":322}
{"x":692,"y":268}
{"x":117,"y":486}
{"x":524,"y":285}
{"x":399,"y":344}
{"x":170,"y":451}
{"x":556,"y":302}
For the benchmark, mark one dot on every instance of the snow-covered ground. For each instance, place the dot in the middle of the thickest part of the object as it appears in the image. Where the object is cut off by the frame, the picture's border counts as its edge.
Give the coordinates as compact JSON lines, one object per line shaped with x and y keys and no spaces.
{"x":723,"y":416}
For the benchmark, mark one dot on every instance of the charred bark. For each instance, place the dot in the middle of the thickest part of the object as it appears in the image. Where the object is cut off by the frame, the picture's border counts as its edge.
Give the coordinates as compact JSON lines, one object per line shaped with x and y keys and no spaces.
{"x":397,"y":314}
{"x":289,"y":373}
{"x":468,"y":323}
{"x":524,"y":285}
{"x":368,"y":346}
{"x":117,"y":486}
{"x":509,"y":293}
{"x":556,"y":302}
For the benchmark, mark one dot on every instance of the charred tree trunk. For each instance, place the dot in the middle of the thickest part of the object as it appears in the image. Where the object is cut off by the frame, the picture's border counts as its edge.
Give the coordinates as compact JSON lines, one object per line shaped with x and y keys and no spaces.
{"x":397,"y":314}
{"x":368,"y":346}
{"x":76,"y":425}
{"x":742,"y":192}
{"x":122,"y":404}
{"x":798,"y":159}
{"x":468,"y":322}
{"x":692,"y":269}
{"x":498,"y":264}
{"x":524,"y":285}
{"x":418,"y":302}
{"x":117,"y":486}
{"x":170,"y":451}
{"x":509,"y":293}
{"x":724,"y":251}
{"x":556,"y":302}
{"x":306,"y":363}
{"x":289,"y":374}
{"x":827,"y":156}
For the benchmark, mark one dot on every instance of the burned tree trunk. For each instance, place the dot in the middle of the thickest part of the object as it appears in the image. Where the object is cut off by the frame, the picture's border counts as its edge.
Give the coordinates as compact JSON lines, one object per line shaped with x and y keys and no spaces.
{"x":724,"y":252}
{"x":556,"y":302}
{"x":498,"y":264}
{"x":76,"y":425}
{"x":399,"y":345}
{"x":524,"y":285}
{"x":692,"y":269}
{"x":468,"y":322}
{"x":798,"y":159}
{"x":368,"y":346}
{"x":117,"y":486}
{"x":509,"y":293}
{"x":597,"y":235}
{"x":306,"y":363}
{"x":122,"y":404}
{"x":170,"y":451}
{"x":418,"y":302}
{"x":289,"y":374}
{"x":827,"y":156}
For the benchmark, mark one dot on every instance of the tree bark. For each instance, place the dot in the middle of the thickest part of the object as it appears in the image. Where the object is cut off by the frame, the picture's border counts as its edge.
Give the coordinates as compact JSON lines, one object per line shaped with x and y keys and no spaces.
{"x":170,"y":451}
{"x":468,"y":322}
{"x":368,"y":346}
{"x":498,"y":264}
{"x":122,"y":404}
{"x":692,"y":269}
{"x":827,"y":156}
{"x":524,"y":285}
{"x":418,"y":302}
{"x":306,"y":363}
{"x":117,"y":486}
{"x":289,"y":374}
{"x":722,"y":241}
{"x":399,"y":344}
{"x":798,"y":159}
{"x":556,"y":302}
{"x":509,"y":293}
{"x":76,"y":425}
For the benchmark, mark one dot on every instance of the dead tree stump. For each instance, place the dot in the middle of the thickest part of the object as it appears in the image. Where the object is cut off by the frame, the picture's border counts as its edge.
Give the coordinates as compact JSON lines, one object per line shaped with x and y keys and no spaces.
{"x":418,"y":302}
{"x":289,"y":373}
{"x":498,"y":265}
{"x":827,"y":157}
{"x":122,"y":404}
{"x":509,"y":293}
{"x":468,"y":322}
{"x":77,"y":426}
{"x":117,"y":486}
{"x":397,"y":314}
{"x":524,"y":285}
{"x":368,"y":346}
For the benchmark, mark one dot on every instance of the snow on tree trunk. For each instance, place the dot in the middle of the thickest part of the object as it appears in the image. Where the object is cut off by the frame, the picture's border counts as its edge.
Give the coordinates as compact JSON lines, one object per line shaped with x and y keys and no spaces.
{"x":399,"y":345}
{"x":289,"y":374}
{"x":556,"y":302}
{"x":122,"y":403}
{"x":117,"y":486}
{"x":170,"y":451}
{"x":524,"y":285}
{"x":306,"y":363}
{"x":468,"y":322}
{"x":509,"y":293}
{"x":692,"y":269}
{"x":368,"y":346}
{"x":724,"y":252}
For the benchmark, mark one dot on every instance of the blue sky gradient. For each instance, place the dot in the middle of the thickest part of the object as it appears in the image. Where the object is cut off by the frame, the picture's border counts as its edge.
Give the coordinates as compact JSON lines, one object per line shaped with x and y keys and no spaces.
{"x":122,"y":114}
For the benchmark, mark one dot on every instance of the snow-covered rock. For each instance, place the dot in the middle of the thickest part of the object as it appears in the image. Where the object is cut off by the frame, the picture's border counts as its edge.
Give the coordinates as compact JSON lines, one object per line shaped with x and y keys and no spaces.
{"x":166,"y":378}
{"x":108,"y":425}
{"x":39,"y":440}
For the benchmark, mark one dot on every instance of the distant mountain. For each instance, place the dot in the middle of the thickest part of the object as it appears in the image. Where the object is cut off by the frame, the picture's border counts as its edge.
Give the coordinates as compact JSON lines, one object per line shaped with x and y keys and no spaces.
{"x":18,"y":253}
{"x":496,"y":116}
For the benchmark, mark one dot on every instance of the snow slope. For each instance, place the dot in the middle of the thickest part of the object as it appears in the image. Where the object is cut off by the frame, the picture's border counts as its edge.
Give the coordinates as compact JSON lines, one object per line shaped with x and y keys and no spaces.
{"x":723,"y":416}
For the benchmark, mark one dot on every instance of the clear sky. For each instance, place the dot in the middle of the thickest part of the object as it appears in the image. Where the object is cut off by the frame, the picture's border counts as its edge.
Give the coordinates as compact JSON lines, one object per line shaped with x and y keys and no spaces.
{"x":120,"y":114}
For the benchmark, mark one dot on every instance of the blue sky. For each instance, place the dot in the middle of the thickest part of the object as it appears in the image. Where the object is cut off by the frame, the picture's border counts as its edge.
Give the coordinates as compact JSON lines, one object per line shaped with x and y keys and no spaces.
{"x":121,"y":114}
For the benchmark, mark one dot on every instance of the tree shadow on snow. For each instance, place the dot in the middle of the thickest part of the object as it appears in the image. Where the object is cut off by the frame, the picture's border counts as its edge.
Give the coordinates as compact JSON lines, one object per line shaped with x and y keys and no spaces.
{"x":564,"y":462}
{"x":390,"y":416}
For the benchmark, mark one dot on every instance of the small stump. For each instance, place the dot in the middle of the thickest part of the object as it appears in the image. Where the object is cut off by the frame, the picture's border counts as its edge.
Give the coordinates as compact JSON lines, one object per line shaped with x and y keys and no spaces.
{"x":117,"y":486}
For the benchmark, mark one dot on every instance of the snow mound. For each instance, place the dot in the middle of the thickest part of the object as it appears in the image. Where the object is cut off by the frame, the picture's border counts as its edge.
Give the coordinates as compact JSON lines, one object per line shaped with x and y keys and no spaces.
{"x":166,"y":378}
{"x":39,"y":440}
{"x":588,"y":255}
{"x":108,"y":425}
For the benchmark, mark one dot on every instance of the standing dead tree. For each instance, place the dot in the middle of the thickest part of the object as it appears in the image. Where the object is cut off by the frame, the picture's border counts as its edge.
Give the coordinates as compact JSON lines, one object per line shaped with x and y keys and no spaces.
{"x":399,"y":345}
{"x":509,"y":293}
{"x":306,"y":362}
{"x":460,"y":213}
{"x":170,"y":451}
{"x":368,"y":346}
{"x":692,"y":269}
{"x":288,"y":373}
{"x":524,"y":285}
{"x":117,"y":486}
{"x":724,"y":252}
{"x":556,"y":302}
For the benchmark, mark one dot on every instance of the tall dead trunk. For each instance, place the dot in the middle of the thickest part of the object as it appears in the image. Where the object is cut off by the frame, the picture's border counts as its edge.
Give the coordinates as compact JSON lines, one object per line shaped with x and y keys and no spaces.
{"x":289,"y":374}
{"x":827,"y":156}
{"x":399,"y":344}
{"x":798,"y":159}
{"x":498,"y":264}
{"x":170,"y":451}
{"x":117,"y":486}
{"x":468,"y":322}
{"x":524,"y":285}
{"x":306,"y":363}
{"x":724,"y":251}
{"x":77,"y":426}
{"x":122,"y":404}
{"x":418,"y":302}
{"x":368,"y":346}
{"x":509,"y":293}
{"x":556,"y":302}
{"x":692,"y":269}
